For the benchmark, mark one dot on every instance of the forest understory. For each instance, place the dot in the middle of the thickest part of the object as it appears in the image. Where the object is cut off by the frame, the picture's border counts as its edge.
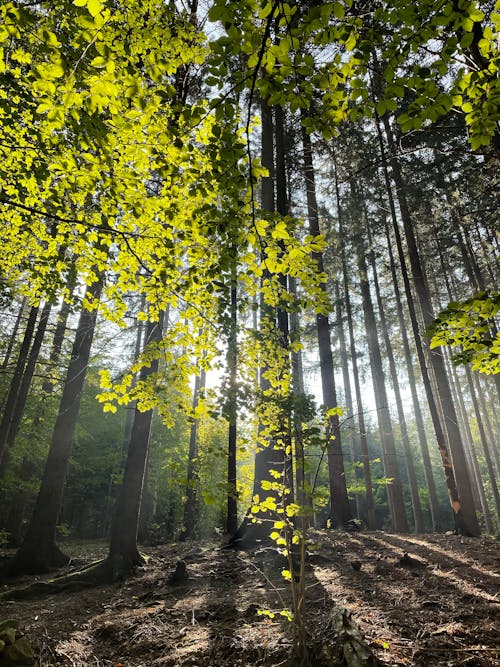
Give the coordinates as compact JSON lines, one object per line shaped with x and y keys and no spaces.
{"x":419,"y":600}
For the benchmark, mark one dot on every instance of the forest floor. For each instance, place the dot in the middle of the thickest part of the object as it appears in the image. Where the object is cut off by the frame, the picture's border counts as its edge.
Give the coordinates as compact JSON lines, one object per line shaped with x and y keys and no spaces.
{"x":438,"y":606}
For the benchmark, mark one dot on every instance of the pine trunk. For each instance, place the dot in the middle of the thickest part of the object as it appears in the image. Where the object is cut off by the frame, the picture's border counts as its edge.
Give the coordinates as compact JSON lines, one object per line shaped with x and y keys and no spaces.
{"x":422,"y":438}
{"x":340,"y":509}
{"x":371,"y":519}
{"x":410,"y":465}
{"x":394,"y":487}
{"x":455,"y":472}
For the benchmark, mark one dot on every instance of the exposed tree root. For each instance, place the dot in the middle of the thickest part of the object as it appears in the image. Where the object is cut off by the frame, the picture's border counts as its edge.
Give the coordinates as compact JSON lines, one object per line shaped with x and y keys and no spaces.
{"x":99,"y":573}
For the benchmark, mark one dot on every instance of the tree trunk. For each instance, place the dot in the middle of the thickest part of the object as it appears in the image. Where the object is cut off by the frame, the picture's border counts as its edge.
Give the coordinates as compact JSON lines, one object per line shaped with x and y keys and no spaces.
{"x":422,"y":438}
{"x":13,"y":336}
{"x":340,"y":509}
{"x":486,"y":421}
{"x":39,"y":552}
{"x":371,"y":519}
{"x":484,"y":443}
{"x":254,"y":527}
{"x":394,"y":488}
{"x":459,"y":489}
{"x":191,"y":504}
{"x":15,"y":517}
{"x":478,"y":484}
{"x":123,"y":552}
{"x":232,"y":364}
{"x":24,"y":388}
{"x":358,"y":473}
{"x":410,"y":465}
{"x":16,"y":380}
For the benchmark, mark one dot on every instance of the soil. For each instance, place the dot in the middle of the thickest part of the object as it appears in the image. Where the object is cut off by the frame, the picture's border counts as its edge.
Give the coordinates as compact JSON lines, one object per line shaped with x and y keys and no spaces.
{"x":423,"y":600}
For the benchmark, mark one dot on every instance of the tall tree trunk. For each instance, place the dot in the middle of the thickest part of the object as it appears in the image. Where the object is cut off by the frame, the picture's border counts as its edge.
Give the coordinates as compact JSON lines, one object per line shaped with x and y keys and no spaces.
{"x":254,"y":528}
{"x":191,"y":504}
{"x":394,"y":487}
{"x":303,"y":493}
{"x":486,"y":420}
{"x":484,"y":443}
{"x":232,"y":365}
{"x":39,"y":552}
{"x":13,"y":524}
{"x":282,"y":317}
{"x":459,"y":491}
{"x":13,"y":336}
{"x":24,"y":388}
{"x":371,"y":519}
{"x":422,"y":438}
{"x":340,"y":510}
{"x":410,"y":465}
{"x":123,"y":552}
{"x":16,"y":380}
{"x":358,"y":474}
{"x":130,"y":409}
{"x":478,"y":484}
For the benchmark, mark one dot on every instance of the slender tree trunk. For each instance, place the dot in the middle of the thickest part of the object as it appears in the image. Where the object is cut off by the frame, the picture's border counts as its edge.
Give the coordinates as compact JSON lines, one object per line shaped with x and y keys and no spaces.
{"x":123,"y":552}
{"x":303,"y":493}
{"x":340,"y":510}
{"x":424,"y":447}
{"x":16,"y":380}
{"x":282,"y":207}
{"x":15,"y":517}
{"x":13,"y":336}
{"x":24,"y":388}
{"x":191,"y":504}
{"x":254,"y":528}
{"x":358,"y":474}
{"x":394,"y":487}
{"x":371,"y":519}
{"x":487,"y":423}
{"x":130,"y":409}
{"x":461,"y":501}
{"x":484,"y":442}
{"x":478,"y":484}
{"x":39,"y":552}
{"x":410,"y":465}
{"x":232,"y":364}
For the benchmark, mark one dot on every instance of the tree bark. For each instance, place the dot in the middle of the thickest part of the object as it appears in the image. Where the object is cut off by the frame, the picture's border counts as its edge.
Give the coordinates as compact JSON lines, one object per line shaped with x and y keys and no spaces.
{"x":394,"y":487}
{"x":39,"y":552}
{"x":16,"y":380}
{"x":340,"y":509}
{"x":422,"y":438}
{"x":405,"y":438}
{"x":13,"y":336}
{"x":358,"y":474}
{"x":232,"y":365}
{"x":24,"y":388}
{"x":455,"y":472}
{"x":123,"y":552}
{"x":191,"y":504}
{"x":371,"y":519}
{"x":484,"y":443}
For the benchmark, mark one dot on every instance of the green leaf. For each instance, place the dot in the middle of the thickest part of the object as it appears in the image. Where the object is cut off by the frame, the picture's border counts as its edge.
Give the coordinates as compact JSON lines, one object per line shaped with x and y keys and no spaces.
{"x":94,"y":7}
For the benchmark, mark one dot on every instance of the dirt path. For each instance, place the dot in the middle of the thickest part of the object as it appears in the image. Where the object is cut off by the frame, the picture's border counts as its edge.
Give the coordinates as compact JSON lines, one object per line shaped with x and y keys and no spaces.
{"x":439,"y":605}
